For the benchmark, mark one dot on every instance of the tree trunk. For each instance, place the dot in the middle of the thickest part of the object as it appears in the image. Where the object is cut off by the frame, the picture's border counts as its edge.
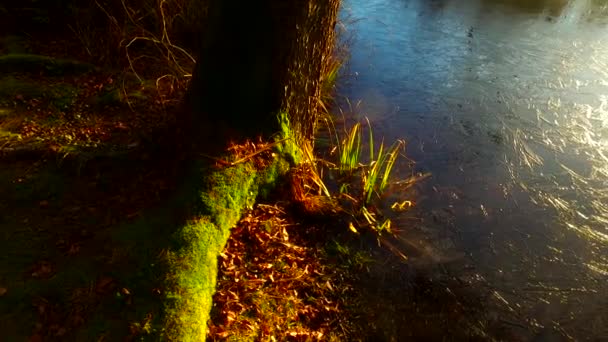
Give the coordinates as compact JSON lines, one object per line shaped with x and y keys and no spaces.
{"x":259,"y":58}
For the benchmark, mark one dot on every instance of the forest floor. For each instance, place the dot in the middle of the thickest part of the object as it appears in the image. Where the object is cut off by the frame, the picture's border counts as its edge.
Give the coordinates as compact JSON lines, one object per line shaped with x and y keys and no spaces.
{"x":76,"y":183}
{"x":88,"y":179}
{"x":84,"y":181}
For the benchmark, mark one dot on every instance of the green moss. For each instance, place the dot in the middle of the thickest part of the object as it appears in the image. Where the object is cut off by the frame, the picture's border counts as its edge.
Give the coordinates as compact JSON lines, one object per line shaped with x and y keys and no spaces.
{"x":127,"y":91}
{"x":36,"y":64}
{"x":128,"y":254}
{"x":61,"y":96}
{"x":291,"y":148}
{"x":174,"y":248}
{"x":6,"y":135}
{"x":45,"y":185}
{"x":110,"y":97}
{"x":11,"y":87}
{"x":14,"y":44}
{"x":192,"y":262}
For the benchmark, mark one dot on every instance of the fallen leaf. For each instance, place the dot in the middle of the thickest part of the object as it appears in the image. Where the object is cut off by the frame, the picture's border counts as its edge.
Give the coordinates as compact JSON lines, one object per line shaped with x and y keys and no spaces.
{"x":74,"y":249}
{"x":35,"y":338}
{"x":43,"y":269}
{"x":61,"y":331}
{"x":3,"y":291}
{"x":104,"y":284}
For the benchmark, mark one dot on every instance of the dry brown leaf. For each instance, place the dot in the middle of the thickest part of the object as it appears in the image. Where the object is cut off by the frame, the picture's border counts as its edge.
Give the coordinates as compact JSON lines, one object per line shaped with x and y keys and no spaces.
{"x":35,"y":338}
{"x":104,"y":284}
{"x":74,"y":249}
{"x":43,"y":269}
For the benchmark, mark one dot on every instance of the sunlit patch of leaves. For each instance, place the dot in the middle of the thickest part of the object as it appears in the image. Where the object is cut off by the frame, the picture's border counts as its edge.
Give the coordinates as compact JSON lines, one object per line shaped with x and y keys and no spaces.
{"x":71,"y":117}
{"x":274,"y":284}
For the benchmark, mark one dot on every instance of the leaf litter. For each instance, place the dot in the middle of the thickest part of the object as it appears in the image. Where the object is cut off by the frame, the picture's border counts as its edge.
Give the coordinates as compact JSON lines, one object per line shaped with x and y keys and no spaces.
{"x":276,"y":283}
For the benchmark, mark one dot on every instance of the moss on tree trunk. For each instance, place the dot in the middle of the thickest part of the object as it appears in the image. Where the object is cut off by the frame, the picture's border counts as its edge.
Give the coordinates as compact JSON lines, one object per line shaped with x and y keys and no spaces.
{"x":258,"y":59}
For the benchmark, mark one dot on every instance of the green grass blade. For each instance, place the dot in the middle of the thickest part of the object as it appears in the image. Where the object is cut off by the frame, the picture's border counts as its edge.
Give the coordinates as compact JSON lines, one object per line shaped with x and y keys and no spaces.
{"x":390,"y":162}
{"x":351,"y":149}
{"x":371,"y":141}
{"x":370,"y":181}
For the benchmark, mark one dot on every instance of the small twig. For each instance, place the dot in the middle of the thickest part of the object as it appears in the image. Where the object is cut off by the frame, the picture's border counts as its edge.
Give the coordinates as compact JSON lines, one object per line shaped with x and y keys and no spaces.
{"x":555,"y":289}
{"x":273,"y":207}
{"x":511,"y":323}
{"x":245,"y":158}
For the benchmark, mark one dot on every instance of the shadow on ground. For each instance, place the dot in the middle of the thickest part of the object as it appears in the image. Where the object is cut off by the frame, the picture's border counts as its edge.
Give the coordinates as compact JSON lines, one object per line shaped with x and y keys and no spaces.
{"x":79,"y":246}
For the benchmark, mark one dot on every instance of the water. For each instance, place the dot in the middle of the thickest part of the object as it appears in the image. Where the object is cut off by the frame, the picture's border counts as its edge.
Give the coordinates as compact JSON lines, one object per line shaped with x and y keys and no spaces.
{"x":505,"y":103}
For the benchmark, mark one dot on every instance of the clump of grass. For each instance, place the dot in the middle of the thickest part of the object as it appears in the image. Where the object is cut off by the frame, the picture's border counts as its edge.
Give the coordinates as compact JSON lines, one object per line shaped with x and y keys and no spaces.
{"x":373,"y":178}
{"x":350,"y":150}
{"x":377,"y":176}
{"x":301,"y":153}
{"x":359,"y":184}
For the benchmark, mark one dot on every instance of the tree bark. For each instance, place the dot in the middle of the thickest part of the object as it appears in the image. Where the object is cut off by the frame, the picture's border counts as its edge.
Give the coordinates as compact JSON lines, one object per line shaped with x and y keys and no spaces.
{"x":259,"y":58}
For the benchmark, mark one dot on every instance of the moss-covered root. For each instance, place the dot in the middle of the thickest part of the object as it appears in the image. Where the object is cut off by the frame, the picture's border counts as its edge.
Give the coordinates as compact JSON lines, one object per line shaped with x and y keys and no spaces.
{"x":222,"y":196}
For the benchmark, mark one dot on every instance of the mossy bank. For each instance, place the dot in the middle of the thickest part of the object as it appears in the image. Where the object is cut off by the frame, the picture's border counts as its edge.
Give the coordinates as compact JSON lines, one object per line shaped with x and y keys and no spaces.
{"x":218,"y":197}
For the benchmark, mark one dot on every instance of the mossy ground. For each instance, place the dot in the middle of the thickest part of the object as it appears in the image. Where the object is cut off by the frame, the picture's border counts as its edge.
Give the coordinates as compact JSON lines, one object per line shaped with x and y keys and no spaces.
{"x":78,"y":260}
{"x":220,"y":195}
{"x":118,"y":248}
{"x":88,"y":234}
{"x":93,"y":109}
{"x":103,"y":246}
{"x":100,"y":245}
{"x":114,"y":247}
